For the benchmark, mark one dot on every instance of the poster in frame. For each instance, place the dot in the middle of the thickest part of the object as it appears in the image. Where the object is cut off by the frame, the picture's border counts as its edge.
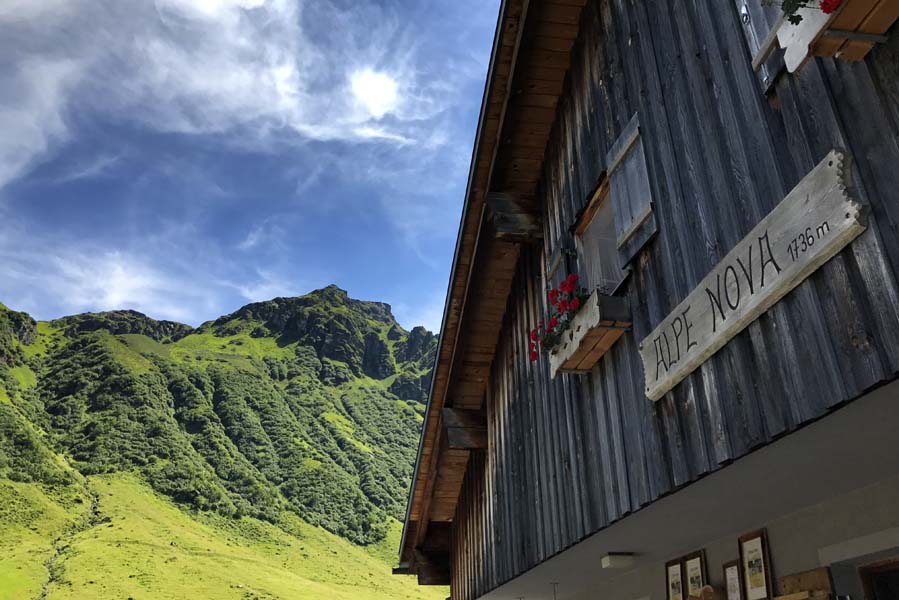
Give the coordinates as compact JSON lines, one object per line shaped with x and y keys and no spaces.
{"x":674,"y":580}
{"x":695,"y":573}
{"x":755,"y":566}
{"x":733,"y":580}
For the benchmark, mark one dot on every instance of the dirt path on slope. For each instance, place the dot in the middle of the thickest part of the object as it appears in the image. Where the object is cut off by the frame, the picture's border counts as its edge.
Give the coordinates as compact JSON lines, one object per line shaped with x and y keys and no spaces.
{"x":61,"y":544}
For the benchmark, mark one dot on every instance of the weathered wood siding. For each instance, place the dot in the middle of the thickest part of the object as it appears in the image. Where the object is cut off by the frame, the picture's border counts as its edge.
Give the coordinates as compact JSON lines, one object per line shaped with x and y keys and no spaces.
{"x":569,"y":456}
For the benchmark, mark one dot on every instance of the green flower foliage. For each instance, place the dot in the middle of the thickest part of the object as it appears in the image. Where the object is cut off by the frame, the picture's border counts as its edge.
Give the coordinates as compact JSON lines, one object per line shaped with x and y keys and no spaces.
{"x":310,"y":405}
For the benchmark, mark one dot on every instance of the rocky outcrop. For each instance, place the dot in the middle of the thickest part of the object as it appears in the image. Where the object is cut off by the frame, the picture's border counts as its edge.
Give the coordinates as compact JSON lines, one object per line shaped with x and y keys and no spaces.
{"x":416,"y":345}
{"x":23,"y":327}
{"x":120,"y":322}
{"x":411,"y":387}
{"x":377,"y":361}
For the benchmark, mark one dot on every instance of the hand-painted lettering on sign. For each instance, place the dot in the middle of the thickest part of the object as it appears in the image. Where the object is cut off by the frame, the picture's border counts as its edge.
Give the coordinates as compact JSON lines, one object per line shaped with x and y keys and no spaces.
{"x":816,"y":220}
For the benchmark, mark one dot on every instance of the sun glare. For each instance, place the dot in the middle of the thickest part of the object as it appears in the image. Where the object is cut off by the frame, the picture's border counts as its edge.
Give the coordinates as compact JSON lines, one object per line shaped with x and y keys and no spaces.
{"x":376,"y":91}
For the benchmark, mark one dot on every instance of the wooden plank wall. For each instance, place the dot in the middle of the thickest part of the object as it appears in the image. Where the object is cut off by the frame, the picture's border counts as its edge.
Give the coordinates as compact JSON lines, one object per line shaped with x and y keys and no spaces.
{"x":469,"y":542}
{"x":569,"y":456}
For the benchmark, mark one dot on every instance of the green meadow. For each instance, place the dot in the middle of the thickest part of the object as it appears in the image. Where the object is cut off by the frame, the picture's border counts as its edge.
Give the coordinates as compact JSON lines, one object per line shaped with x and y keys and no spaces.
{"x":136,"y":544}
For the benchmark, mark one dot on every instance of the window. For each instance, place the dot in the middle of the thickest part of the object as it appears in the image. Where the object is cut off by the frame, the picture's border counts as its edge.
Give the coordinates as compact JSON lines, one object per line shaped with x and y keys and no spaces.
{"x":618,"y":220}
{"x":596,"y":242}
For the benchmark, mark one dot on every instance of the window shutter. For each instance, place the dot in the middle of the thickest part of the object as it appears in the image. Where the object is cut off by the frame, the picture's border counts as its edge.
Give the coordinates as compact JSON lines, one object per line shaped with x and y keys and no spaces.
{"x":635,"y":223}
{"x":760,"y":24}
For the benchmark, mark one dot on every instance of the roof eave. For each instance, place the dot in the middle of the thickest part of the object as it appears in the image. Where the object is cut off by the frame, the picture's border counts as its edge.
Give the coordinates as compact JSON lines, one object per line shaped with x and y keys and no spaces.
{"x":454,"y":273}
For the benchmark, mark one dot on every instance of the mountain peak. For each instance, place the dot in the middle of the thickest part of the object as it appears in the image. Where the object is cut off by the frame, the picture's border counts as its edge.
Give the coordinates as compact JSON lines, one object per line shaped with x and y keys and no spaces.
{"x":335,"y":294}
{"x":333,"y":299}
{"x":362,"y":335}
{"x":330,"y":290}
{"x":123,"y":321}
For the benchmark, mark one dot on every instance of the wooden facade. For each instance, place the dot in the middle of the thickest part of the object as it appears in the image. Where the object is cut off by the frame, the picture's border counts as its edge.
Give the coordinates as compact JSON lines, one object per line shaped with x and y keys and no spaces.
{"x":569,"y":455}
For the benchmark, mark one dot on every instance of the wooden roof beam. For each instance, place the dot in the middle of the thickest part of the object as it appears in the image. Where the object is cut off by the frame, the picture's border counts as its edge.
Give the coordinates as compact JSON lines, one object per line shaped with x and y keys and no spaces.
{"x":513,"y":219}
{"x":465,"y":429}
{"x":439,"y":538}
{"x":432,"y":568}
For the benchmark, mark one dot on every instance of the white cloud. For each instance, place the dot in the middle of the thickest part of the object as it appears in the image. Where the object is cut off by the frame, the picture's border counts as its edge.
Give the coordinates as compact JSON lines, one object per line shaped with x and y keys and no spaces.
{"x":32,"y":111}
{"x":50,"y":276}
{"x":76,"y":280}
{"x":210,"y":9}
{"x":268,"y":285}
{"x":377,"y":133}
{"x":114,"y":280}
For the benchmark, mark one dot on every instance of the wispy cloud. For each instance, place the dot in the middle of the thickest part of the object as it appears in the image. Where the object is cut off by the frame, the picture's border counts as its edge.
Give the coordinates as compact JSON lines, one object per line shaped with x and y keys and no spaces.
{"x":268,"y":285}
{"x":32,"y":110}
{"x":172,"y":274}
{"x":51,"y":276}
{"x":97,"y":167}
{"x":68,"y":280}
{"x":267,"y":234}
{"x":249,"y":67}
{"x":428,"y":312}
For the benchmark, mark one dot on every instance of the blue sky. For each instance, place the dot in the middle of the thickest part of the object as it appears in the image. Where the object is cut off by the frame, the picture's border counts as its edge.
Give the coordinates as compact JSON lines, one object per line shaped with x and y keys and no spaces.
{"x":186,"y":157}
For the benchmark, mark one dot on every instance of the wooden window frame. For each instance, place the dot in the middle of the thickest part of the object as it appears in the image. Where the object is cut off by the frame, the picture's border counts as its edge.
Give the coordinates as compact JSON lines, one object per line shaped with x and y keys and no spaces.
{"x":603,"y":318}
{"x":600,"y":195}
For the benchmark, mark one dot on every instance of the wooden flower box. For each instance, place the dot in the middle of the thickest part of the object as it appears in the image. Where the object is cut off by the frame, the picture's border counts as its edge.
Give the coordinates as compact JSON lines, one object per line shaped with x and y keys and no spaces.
{"x":594,"y":329}
{"x":848,"y":33}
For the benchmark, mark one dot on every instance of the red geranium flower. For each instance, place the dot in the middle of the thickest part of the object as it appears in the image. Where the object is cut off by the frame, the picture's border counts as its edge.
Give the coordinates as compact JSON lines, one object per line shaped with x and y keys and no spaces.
{"x":828,"y":6}
{"x":553,"y":296}
{"x":574,"y":304}
{"x":552,"y":323}
{"x":572,"y":281}
{"x":563,"y":306}
{"x":564,"y":286}
{"x":533,"y":355}
{"x":534,"y":334}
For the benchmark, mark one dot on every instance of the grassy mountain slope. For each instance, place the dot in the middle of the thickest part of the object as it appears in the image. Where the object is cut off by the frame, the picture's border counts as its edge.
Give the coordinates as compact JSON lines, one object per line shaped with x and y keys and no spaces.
{"x":296,"y":415}
{"x":140,"y":545}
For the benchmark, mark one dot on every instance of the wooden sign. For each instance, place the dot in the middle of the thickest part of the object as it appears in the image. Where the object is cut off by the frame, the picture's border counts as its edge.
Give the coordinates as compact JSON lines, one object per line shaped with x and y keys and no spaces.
{"x":813,"y":223}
